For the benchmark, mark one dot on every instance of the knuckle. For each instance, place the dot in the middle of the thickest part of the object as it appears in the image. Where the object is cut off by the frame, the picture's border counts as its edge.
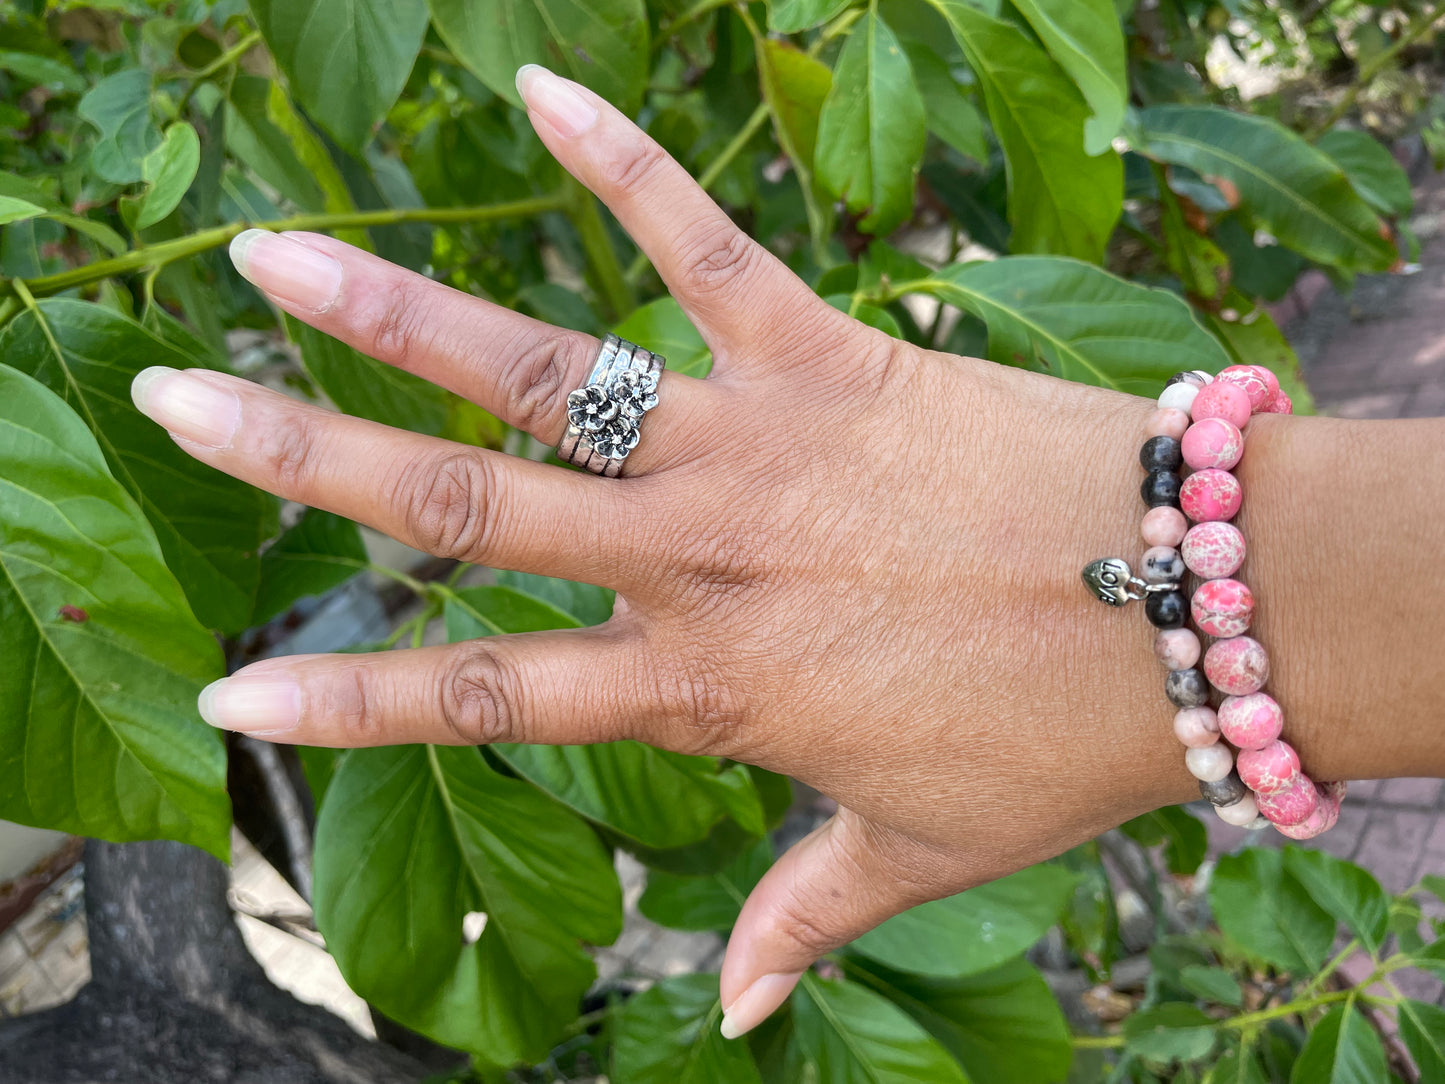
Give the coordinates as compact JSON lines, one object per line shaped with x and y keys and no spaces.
{"x":349,"y":703}
{"x":817,"y":933}
{"x":715,"y":720}
{"x":289,"y":455}
{"x":721,"y":257}
{"x":537,"y":378}
{"x":478,"y":698}
{"x":403,"y":324}
{"x":631,"y":170}
{"x":448,"y":507}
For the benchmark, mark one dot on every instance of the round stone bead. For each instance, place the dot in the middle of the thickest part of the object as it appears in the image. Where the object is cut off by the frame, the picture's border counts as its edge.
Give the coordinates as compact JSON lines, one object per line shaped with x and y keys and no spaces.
{"x":1290,"y":804}
{"x":1209,"y":764}
{"x":1212,"y":442}
{"x":1160,"y":488}
{"x":1177,"y":649}
{"x":1167,"y":422}
{"x":1280,"y":404}
{"x":1241,"y":814}
{"x":1186,"y":688}
{"x":1179,"y":396}
{"x":1271,"y":384}
{"x":1213,"y":550}
{"x":1224,"y":791}
{"x":1251,"y":722}
{"x":1162,"y":564}
{"x":1160,"y":453}
{"x":1318,"y":822}
{"x":1195,"y":728}
{"x":1190,"y":377}
{"x":1269,"y":769}
{"x":1164,"y":526}
{"x":1249,"y":381}
{"x":1226,"y":401}
{"x":1166,"y":609}
{"x":1206,"y":377}
{"x":1237,"y":666}
{"x":1222,"y":607}
{"x":1210,"y":495}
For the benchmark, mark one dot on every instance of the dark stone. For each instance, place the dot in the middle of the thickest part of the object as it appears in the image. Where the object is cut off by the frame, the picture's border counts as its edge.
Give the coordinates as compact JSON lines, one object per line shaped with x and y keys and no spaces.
{"x":1160,"y":487}
{"x":1166,"y":609}
{"x":1225,"y":791}
{"x":1185,"y":378}
{"x":1161,"y":453}
{"x":1187,"y":688}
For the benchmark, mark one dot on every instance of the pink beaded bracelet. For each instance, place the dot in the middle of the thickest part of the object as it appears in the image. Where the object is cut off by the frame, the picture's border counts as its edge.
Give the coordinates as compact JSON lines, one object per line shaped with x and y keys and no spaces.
{"x":1201,"y":423}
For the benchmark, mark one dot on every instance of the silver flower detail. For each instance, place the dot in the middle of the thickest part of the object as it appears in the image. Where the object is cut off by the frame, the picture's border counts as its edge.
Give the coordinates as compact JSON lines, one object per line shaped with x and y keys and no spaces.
{"x":590,"y":408}
{"x":635,"y":393}
{"x":617,"y":439}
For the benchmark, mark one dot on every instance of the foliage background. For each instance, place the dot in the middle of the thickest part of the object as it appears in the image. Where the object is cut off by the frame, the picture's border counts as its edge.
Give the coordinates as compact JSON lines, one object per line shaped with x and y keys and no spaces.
{"x":1112,"y":215}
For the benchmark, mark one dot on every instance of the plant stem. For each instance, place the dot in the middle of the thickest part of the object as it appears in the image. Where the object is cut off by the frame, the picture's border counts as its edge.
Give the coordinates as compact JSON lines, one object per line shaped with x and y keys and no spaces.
{"x":413,"y":584}
{"x":616,"y":291}
{"x":1374,"y":66}
{"x":1330,"y":968}
{"x":151,"y":256}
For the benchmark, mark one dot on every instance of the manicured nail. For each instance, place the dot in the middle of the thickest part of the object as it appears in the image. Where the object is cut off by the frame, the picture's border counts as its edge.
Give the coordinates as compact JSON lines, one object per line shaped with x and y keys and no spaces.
{"x":187,"y":405}
{"x":287,"y":269}
{"x":556,"y":99}
{"x":252,"y":705}
{"x":756,"y":1003}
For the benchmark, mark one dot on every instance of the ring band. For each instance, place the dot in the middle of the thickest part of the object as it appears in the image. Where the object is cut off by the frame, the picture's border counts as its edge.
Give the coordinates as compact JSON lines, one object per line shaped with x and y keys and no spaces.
{"x":604,"y":416}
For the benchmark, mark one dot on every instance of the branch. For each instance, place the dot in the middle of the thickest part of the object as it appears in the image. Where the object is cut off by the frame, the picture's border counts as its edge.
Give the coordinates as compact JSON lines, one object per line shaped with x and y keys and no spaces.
{"x":1373,"y":67}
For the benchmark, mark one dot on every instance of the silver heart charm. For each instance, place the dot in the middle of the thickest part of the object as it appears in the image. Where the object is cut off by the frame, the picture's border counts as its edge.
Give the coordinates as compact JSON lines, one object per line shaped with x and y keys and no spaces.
{"x":1109,"y":579}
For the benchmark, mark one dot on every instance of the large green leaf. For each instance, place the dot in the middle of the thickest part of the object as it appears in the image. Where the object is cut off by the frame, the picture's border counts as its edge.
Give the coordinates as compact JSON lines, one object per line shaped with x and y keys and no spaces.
{"x":1061,"y":200}
{"x":346,"y":60}
{"x":168,"y":171}
{"x":795,"y":86}
{"x":1349,"y":893}
{"x":669,"y":1035}
{"x":210,"y":526}
{"x":1371,"y":168}
{"x":1003,"y":1026}
{"x":1342,"y":1049}
{"x":871,"y":131}
{"x":1170,"y":1032}
{"x":658,"y":798}
{"x":974,"y":930}
{"x":1073,"y":320}
{"x":254,"y":140}
{"x":119,"y":108}
{"x":1422,"y":1027}
{"x":1183,"y":834}
{"x":791,"y":16}
{"x":947,"y":110}
{"x":411,"y":840}
{"x":13,"y":209}
{"x":1085,"y":38}
{"x":1261,"y":907}
{"x":595,"y":42}
{"x":665,"y":327}
{"x":320,"y":552}
{"x":99,"y":733}
{"x":850,"y":1035}
{"x":708,"y":901}
{"x":1294,"y":190}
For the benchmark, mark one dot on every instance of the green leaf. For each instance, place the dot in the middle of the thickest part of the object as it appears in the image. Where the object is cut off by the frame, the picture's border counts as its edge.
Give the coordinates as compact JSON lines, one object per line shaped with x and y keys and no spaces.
{"x":99,"y":733}
{"x":1267,"y":912}
{"x":1422,"y":1027}
{"x":791,"y":16}
{"x":1187,"y":842}
{"x":1212,"y":984}
{"x":871,"y":315}
{"x":320,"y":552}
{"x":947,"y":110}
{"x":119,"y":108}
{"x":974,"y":930}
{"x":412,"y":839}
{"x":707,"y":902}
{"x":1003,"y":1026}
{"x":315,"y":159}
{"x":1435,"y":885}
{"x":1061,"y":200}
{"x":346,"y":60}
{"x":1295,"y":191}
{"x":210,"y":526}
{"x":252,"y":138}
{"x":1373,"y":171}
{"x":1085,"y":38}
{"x":1342,"y":1049}
{"x":795,"y":86}
{"x":871,"y":131}
{"x":1349,"y":893}
{"x":16,"y":210}
{"x":664,"y":326}
{"x":42,"y":71}
{"x":169,"y":171}
{"x":597,"y":43}
{"x":583,"y":602}
{"x":850,"y":1035}
{"x":668,"y":1034}
{"x":1069,"y":319}
{"x":1170,"y":1032}
{"x":1237,"y":1065}
{"x":1254,"y":338}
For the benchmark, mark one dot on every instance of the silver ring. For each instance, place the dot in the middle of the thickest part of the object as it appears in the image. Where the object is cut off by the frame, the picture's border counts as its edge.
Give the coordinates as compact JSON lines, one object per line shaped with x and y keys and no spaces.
{"x":605,"y":415}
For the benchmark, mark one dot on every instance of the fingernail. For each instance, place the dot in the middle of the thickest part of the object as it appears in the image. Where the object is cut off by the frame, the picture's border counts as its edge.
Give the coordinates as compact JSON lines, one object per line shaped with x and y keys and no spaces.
{"x":189,"y":406}
{"x":287,"y":269}
{"x":556,"y":99}
{"x":756,"y":1003}
{"x":252,"y":704}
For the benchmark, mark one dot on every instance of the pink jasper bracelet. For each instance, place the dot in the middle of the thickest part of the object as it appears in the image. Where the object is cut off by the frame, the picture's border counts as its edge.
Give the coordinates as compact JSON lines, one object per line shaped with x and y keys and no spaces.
{"x":1201,"y":423}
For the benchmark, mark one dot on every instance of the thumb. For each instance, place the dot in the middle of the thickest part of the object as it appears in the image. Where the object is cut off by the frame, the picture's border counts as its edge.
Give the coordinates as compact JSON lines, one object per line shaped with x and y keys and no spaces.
{"x":835,"y":884}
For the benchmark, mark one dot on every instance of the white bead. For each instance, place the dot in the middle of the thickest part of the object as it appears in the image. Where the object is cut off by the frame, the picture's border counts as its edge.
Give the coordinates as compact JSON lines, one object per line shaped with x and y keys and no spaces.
{"x":1241,"y":814}
{"x":1209,"y":764}
{"x":1207,"y":377}
{"x":1180,"y":396}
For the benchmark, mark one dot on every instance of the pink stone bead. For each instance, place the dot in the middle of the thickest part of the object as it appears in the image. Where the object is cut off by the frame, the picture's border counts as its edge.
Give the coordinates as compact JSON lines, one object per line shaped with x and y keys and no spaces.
{"x":1318,"y":822}
{"x":1177,"y":649}
{"x":1249,"y":381}
{"x":1271,"y":384}
{"x":1241,"y":814}
{"x":1196,"y":727}
{"x":1237,"y":666}
{"x":1222,"y":399}
{"x":1164,"y":526}
{"x":1213,"y":550}
{"x":1280,"y":404}
{"x":1269,"y":769}
{"x":1209,"y":763}
{"x":1210,"y":495}
{"x":1250,"y":722}
{"x":1222,"y":607}
{"x":1291,"y":804}
{"x":1212,"y":442}
{"x":1167,"y":422}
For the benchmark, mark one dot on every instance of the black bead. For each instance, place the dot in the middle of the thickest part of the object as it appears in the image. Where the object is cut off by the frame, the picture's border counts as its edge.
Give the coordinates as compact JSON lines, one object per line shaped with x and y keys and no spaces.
{"x":1160,"y":487}
{"x":1224,"y":791}
{"x":1186,"y":688}
{"x":1161,"y":453}
{"x":1180,"y":378}
{"x":1166,"y":609}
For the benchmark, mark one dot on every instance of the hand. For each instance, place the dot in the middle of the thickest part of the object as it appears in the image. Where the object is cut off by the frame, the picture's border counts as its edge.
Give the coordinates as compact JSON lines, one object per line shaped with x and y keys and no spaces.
{"x":841,"y":557}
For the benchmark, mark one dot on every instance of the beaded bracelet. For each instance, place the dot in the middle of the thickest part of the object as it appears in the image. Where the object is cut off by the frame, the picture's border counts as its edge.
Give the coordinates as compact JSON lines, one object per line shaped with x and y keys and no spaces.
{"x":1200,"y":423}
